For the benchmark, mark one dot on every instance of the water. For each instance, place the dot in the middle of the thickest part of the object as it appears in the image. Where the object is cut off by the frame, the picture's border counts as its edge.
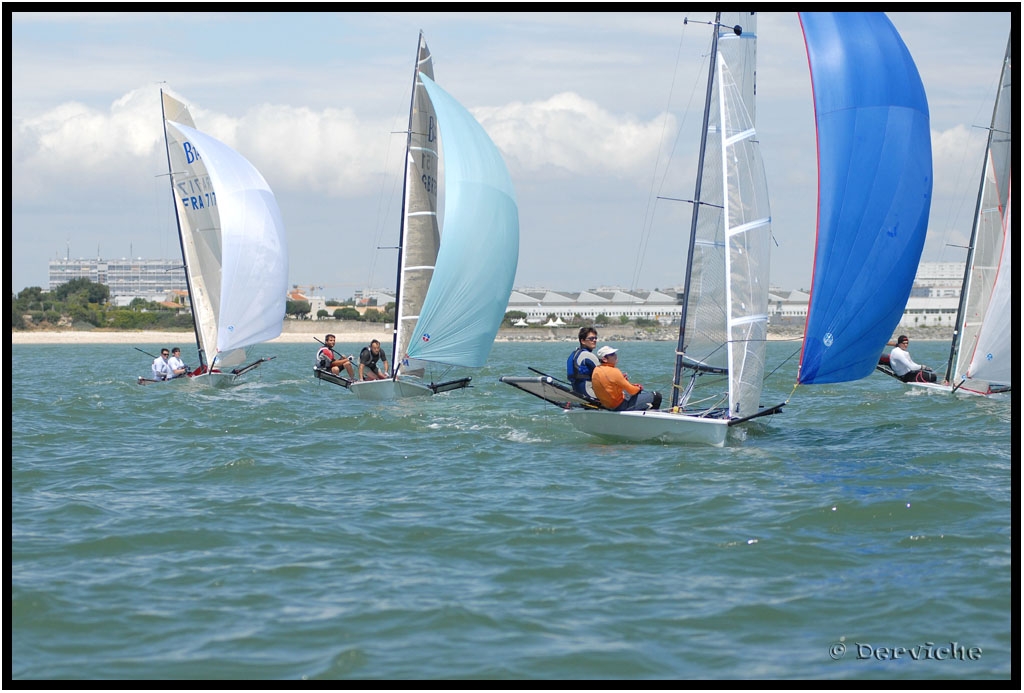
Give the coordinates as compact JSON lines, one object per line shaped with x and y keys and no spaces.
{"x":283,"y":529}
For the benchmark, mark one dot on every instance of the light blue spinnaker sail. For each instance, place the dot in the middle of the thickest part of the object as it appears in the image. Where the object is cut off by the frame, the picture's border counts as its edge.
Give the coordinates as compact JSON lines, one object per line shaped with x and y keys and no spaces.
{"x":874,"y":190}
{"x":476,"y":263}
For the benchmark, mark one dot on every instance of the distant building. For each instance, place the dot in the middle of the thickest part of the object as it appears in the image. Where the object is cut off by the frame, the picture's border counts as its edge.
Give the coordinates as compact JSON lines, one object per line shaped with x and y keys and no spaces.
{"x":613,"y":303}
{"x":152,"y":280}
{"x":933,"y":300}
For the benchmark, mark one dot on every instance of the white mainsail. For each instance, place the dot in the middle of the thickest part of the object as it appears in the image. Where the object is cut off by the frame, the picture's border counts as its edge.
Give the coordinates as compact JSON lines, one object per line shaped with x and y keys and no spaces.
{"x":726,"y":323}
{"x":420,"y":235}
{"x":982,"y":344}
{"x":992,"y":359}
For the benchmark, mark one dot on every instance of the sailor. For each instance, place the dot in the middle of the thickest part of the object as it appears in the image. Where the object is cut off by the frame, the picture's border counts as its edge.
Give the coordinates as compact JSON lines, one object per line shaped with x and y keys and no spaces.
{"x":579,"y":367}
{"x":368,"y":358}
{"x":161,"y":366}
{"x":612,"y":386}
{"x":177,"y":365}
{"x":904,"y":367}
{"x":325,"y":360}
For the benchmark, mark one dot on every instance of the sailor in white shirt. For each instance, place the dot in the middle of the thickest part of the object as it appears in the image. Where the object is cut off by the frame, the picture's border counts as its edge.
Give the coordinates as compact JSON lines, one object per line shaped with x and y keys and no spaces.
{"x":161,"y":366}
{"x":177,"y":365}
{"x":904,"y":367}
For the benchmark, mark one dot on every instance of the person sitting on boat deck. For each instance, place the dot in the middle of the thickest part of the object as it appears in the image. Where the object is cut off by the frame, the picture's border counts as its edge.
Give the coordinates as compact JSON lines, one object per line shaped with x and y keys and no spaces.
{"x":579,"y":367}
{"x":368,"y":358}
{"x":904,"y":367}
{"x":325,"y":360}
{"x":161,"y":367}
{"x":612,"y":385}
{"x":177,"y":365}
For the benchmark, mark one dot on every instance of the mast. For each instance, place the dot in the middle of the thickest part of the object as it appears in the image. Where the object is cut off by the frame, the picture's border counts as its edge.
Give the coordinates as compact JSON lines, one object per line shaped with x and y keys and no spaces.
{"x":181,"y":239}
{"x":680,"y":344}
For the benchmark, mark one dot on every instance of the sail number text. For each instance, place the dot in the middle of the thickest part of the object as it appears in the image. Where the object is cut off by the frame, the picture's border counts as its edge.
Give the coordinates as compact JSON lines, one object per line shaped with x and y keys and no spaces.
{"x":197,"y":193}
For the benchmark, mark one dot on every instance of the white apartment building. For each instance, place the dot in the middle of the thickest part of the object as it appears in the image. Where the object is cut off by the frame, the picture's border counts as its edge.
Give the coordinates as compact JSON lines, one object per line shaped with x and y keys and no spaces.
{"x":153,"y":280}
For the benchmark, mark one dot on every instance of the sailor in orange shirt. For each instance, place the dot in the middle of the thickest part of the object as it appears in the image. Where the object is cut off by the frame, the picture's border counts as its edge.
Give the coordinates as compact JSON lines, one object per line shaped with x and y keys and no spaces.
{"x":611,"y":386}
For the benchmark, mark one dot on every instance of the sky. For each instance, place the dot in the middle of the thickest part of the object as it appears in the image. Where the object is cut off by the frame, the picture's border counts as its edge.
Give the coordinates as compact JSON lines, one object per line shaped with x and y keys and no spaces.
{"x":596,"y":114}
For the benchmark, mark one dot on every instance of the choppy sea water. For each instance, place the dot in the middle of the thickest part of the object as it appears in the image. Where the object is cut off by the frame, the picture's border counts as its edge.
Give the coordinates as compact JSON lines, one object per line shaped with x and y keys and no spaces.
{"x":282,"y":529}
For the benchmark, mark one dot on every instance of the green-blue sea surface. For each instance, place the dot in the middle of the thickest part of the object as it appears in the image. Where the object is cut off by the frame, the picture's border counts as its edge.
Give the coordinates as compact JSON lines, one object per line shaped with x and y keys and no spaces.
{"x":283,"y":529}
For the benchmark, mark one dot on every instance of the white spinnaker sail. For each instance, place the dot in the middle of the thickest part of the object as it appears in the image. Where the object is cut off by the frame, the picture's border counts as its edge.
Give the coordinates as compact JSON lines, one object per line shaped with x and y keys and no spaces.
{"x":420,"y":236}
{"x":254,"y":256}
{"x":246,"y":225}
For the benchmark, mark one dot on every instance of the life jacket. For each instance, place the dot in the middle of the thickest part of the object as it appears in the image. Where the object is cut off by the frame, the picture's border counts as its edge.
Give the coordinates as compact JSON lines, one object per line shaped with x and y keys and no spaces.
{"x":324,"y":358}
{"x":577,"y":373}
{"x":367,"y":358}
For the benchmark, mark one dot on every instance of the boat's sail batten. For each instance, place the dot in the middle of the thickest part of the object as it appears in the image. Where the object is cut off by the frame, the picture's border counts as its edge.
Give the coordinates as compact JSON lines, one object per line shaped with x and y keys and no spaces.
{"x":875,"y":182}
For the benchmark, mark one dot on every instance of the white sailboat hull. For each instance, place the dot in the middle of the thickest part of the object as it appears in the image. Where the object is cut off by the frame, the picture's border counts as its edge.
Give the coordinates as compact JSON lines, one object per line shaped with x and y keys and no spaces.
{"x":651,"y":426}
{"x":389,"y":389}
{"x":962,"y":390}
{"x":215,"y":379}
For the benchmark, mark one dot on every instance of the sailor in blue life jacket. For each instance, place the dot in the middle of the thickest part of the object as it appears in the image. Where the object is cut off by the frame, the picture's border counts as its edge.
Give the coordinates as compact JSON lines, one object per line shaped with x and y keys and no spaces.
{"x":580,"y":365}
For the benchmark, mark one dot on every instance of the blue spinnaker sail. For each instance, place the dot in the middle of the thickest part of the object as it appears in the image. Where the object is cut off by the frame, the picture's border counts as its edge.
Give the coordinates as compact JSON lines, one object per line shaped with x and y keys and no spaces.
{"x":476,"y":263}
{"x":874,"y":190}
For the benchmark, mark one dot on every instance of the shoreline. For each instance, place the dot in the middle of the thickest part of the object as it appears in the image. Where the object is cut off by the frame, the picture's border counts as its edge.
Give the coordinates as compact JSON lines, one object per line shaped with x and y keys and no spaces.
{"x":298,"y":334}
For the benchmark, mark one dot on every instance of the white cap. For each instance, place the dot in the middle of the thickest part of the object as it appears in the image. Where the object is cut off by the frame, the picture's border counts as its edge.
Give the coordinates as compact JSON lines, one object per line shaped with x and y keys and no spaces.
{"x":605,"y":351}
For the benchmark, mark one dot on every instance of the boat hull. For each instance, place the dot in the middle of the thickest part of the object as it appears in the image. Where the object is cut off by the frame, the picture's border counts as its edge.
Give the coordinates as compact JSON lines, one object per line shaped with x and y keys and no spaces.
{"x":965,"y":389}
{"x":389,"y":389}
{"x":332,"y":378}
{"x":962,"y":390}
{"x":651,"y":426}
{"x":152,"y":381}
{"x":215,"y":379}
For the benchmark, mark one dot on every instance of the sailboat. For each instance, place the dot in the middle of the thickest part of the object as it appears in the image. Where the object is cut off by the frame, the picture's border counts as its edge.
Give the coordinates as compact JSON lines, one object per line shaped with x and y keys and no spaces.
{"x":452,"y":286}
{"x":873,"y":209}
{"x":980,"y":360}
{"x":233,"y":247}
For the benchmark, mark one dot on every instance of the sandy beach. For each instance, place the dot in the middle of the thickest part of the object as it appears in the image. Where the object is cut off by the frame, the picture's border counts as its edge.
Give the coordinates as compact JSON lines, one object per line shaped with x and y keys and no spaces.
{"x":306,"y":331}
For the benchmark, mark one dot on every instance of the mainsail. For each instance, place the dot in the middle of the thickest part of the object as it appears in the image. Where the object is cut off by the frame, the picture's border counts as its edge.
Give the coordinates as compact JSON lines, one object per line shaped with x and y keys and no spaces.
{"x":725,"y":323}
{"x":981,"y":346}
{"x":420,"y":235}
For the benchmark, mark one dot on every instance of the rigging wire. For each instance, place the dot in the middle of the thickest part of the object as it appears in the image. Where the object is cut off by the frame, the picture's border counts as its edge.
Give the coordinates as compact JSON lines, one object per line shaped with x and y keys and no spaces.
{"x":963,"y":168}
{"x":384,"y":204}
{"x":647,"y":222}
